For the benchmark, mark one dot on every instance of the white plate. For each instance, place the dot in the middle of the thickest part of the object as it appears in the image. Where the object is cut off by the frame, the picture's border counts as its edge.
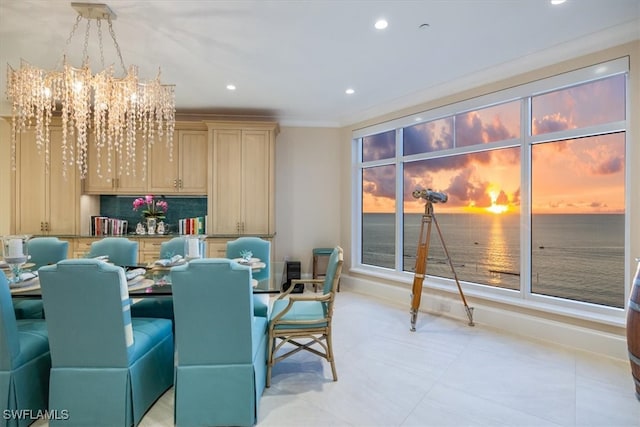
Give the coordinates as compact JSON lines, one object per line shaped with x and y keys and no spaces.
{"x":243,"y":261}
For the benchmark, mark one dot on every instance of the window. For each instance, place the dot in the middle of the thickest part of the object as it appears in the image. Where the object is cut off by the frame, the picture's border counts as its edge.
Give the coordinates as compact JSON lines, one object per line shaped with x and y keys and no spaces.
{"x":536,"y":206}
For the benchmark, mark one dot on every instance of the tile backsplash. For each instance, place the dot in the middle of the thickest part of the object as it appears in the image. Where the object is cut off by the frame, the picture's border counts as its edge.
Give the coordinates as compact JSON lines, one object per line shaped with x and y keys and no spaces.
{"x":121,"y":207}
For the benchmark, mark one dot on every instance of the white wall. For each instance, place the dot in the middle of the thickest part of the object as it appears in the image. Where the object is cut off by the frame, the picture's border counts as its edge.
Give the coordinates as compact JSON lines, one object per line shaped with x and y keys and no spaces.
{"x":308,"y":190}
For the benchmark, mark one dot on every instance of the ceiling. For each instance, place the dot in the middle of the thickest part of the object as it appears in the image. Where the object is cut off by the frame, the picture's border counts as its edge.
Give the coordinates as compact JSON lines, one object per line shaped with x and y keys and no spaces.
{"x":292,"y":60}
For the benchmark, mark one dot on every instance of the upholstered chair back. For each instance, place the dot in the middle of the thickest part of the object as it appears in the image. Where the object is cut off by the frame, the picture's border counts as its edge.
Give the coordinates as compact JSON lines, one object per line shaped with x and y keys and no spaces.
{"x":260,"y":248}
{"x":25,"y":362}
{"x":120,"y":250}
{"x":46,"y":250}
{"x":221,"y":345}
{"x":9,"y":343}
{"x":107,"y":368}
{"x":215,"y":292}
{"x":87,"y":306}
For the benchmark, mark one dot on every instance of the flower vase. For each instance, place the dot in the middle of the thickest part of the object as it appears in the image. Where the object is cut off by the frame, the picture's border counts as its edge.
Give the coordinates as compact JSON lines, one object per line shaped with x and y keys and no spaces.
{"x":151,"y":225}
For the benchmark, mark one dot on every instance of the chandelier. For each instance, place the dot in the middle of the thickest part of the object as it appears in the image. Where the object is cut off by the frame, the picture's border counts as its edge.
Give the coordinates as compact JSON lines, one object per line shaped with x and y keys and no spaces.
{"x":114,"y":114}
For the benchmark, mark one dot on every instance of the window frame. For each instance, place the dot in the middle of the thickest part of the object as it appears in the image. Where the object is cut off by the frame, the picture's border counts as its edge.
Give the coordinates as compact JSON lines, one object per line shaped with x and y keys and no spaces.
{"x":523,"y":93}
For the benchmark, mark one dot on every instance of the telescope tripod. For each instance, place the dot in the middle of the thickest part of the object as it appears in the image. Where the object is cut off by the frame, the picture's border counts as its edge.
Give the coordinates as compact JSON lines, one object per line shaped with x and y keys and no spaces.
{"x":422,"y":255}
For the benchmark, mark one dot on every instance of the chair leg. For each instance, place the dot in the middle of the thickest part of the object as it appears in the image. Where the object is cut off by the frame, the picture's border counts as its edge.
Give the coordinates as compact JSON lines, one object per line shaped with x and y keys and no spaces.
{"x":330,"y":357}
{"x":270,"y":345}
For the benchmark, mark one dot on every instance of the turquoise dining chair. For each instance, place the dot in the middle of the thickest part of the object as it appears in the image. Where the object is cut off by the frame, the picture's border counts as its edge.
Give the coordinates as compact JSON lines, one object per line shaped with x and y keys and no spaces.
{"x":260,"y":248}
{"x":120,"y":250}
{"x":42,"y":251}
{"x":221,"y":345}
{"x":161,"y":307}
{"x":176,"y":246}
{"x":24,"y":363}
{"x":107,"y":368}
{"x":46,"y":250}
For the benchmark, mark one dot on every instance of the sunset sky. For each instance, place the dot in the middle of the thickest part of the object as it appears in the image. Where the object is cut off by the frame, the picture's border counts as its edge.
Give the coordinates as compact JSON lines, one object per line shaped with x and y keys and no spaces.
{"x":584,"y":175}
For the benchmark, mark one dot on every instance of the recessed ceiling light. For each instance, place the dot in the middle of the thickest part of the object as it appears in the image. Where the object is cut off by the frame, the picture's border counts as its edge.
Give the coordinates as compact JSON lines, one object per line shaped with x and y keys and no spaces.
{"x":557,"y":2}
{"x":381,"y":24}
{"x":350,"y":91}
{"x":231,"y":87}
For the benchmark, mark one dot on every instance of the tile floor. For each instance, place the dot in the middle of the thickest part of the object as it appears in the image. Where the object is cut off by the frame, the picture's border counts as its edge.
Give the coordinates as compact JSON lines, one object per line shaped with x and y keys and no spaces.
{"x":444,"y":374}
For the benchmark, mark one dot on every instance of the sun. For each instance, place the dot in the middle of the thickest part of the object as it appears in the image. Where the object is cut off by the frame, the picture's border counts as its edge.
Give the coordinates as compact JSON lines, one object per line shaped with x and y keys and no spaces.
{"x":497,"y":209}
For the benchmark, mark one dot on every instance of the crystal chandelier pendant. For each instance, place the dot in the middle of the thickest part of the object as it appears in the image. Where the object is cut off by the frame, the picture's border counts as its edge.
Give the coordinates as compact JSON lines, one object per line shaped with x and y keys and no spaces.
{"x":100,"y":109}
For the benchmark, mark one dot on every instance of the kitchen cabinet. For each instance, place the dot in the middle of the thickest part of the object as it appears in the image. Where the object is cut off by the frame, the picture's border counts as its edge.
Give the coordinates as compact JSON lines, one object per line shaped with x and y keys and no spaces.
{"x":102,"y":179}
{"x":46,"y":201}
{"x":187,"y":172}
{"x":241,"y":197}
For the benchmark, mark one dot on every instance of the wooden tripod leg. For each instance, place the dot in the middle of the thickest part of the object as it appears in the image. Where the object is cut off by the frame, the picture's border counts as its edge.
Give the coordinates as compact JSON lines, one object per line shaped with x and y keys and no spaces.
{"x":421,"y":263}
{"x":468,"y":309}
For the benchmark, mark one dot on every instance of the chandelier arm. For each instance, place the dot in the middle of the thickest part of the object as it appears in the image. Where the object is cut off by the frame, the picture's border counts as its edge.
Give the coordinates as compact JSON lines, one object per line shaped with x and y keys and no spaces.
{"x":99,"y":23}
{"x":85,"y":48}
{"x":115,"y":42}
{"x":68,"y":42}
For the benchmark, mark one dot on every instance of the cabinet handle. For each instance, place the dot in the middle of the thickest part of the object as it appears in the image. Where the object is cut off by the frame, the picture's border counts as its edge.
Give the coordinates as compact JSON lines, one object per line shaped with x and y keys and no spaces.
{"x":180,"y":183}
{"x":175,"y":183}
{"x":41,"y":226}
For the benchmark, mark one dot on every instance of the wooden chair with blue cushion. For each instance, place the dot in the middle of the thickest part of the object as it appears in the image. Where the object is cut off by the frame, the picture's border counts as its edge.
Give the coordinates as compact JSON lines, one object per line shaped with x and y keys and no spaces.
{"x":221,"y":345}
{"x":303,"y":321}
{"x":260,"y":248}
{"x":42,"y":251}
{"x":24,"y":362}
{"x":120,"y":250}
{"x":107,"y":368}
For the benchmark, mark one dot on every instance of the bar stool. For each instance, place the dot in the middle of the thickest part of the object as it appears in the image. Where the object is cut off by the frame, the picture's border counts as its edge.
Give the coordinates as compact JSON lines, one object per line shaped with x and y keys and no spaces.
{"x":320,"y":260}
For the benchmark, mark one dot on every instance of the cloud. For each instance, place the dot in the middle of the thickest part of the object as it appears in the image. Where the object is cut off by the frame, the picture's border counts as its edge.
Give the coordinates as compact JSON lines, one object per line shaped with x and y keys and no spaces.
{"x":379,"y":146}
{"x":380,"y":181}
{"x":428,"y":137}
{"x":471,"y":130}
{"x":609,"y":166}
{"x":502,"y":198}
{"x":551,"y":123}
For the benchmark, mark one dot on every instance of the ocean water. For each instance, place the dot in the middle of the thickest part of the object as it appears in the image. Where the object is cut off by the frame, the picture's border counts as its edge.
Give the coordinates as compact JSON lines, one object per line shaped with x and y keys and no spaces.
{"x":578,"y":257}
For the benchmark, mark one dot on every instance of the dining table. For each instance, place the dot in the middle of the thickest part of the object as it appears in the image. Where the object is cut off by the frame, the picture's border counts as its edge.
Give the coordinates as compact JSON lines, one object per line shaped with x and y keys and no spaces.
{"x":143,"y":281}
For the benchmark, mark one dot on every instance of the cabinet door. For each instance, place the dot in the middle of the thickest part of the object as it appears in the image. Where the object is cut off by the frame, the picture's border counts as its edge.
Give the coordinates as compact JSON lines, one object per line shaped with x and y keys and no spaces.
{"x":163,"y":174}
{"x":63,"y":191}
{"x":30,"y":185}
{"x":227,"y":184}
{"x":256,"y":184}
{"x":193,"y":162}
{"x":104,"y":175}
{"x":100,"y":174}
{"x":132,"y":178}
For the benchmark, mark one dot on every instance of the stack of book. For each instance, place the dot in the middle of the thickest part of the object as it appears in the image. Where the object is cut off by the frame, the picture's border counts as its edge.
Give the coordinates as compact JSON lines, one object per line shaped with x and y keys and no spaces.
{"x":105,"y":226}
{"x":196,"y":225}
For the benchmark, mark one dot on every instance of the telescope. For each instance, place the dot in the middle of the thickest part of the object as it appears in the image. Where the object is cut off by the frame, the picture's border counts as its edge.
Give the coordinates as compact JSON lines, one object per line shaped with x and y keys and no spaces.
{"x":430,"y":195}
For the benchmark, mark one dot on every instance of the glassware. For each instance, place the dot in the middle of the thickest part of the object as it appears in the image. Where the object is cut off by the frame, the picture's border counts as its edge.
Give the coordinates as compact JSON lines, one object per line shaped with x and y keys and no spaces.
{"x":151,"y":225}
{"x":15,"y":254}
{"x":194,"y":247}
